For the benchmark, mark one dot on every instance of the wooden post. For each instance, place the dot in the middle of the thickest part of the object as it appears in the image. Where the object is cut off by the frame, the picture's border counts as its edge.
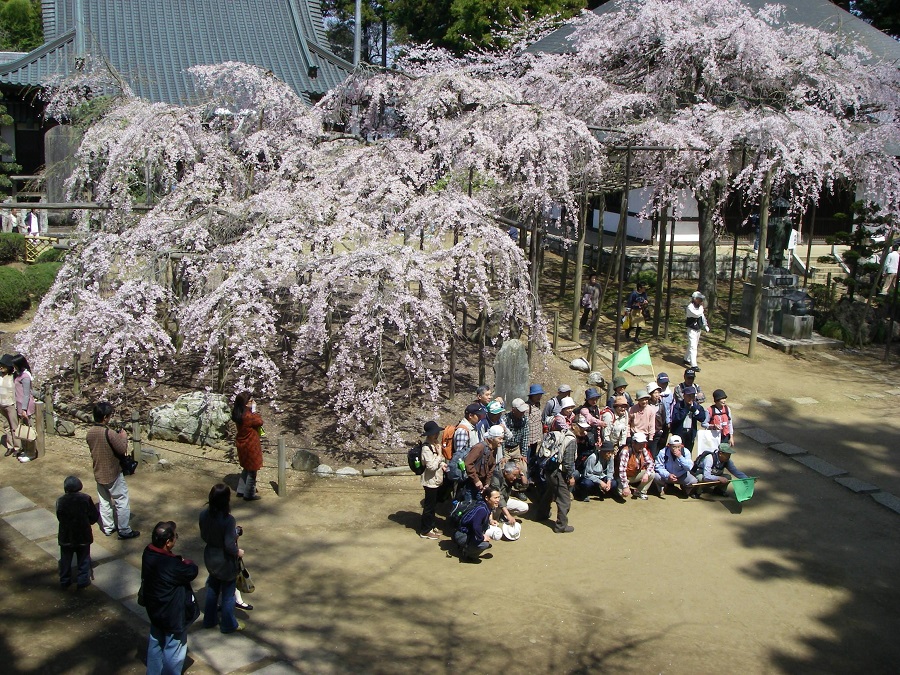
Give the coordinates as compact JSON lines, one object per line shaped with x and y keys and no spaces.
{"x":135,"y":434}
{"x":660,"y":270}
{"x":812,"y":227}
{"x":49,"y":425}
{"x":731,"y":287}
{"x":669,"y":281}
{"x":579,"y":266}
{"x":760,"y":258}
{"x":593,"y":344}
{"x":482,"y":345}
{"x":555,"y":329}
{"x":282,"y":461}
{"x":76,"y":375}
{"x":564,"y":273}
{"x":40,"y":440}
{"x":623,"y":233}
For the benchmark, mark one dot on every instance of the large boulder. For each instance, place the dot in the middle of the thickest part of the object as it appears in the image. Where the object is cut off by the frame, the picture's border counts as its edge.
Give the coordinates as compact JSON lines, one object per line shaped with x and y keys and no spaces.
{"x":199,"y":418}
{"x":305,"y":461}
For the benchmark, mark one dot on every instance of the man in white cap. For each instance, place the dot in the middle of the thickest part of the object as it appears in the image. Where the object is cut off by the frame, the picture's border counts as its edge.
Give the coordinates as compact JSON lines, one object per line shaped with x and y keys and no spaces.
{"x":695,"y":321}
{"x":554,"y":405}
{"x":673,"y":466}
{"x":636,"y":469}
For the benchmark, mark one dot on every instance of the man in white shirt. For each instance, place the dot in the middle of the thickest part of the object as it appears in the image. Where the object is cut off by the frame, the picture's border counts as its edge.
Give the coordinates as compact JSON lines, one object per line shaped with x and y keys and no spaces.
{"x":695,"y":320}
{"x":891,"y":264}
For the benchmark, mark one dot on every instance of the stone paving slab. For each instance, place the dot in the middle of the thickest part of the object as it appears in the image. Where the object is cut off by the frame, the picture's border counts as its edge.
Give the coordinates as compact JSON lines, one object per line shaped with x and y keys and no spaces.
{"x":893,"y":392}
{"x":856,"y":485}
{"x":788,"y":449}
{"x":873,"y":395}
{"x":34,"y":524}
{"x":820,"y":466}
{"x":12,"y":500}
{"x":225,"y":653}
{"x":141,"y":612}
{"x":763,"y":403}
{"x":805,"y":400}
{"x":888,"y":500}
{"x":760,"y":436}
{"x":98,"y":553}
{"x":117,"y":578}
{"x":853,"y":397}
{"x":280,"y":668}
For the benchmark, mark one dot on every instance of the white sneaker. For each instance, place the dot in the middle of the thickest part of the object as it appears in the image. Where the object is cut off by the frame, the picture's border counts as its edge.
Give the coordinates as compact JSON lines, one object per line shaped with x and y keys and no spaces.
{"x":23,"y":459}
{"x":642,"y":496}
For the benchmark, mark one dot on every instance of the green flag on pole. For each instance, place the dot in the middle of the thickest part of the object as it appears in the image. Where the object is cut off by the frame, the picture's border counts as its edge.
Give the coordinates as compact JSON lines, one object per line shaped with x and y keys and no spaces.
{"x":639,"y":358}
{"x":743,"y":488}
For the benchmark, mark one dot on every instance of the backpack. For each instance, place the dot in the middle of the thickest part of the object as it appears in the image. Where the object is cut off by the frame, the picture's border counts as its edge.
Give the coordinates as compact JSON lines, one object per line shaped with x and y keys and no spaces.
{"x":550,"y":452}
{"x":447,"y":441}
{"x":697,"y":469}
{"x":458,"y":456}
{"x":414,"y":459}
{"x":460,"y":511}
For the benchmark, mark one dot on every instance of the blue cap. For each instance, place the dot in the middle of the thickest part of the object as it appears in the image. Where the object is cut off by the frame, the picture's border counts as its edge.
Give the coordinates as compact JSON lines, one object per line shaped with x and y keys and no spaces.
{"x":535,"y":389}
{"x":662,"y":377}
{"x":591,"y":393}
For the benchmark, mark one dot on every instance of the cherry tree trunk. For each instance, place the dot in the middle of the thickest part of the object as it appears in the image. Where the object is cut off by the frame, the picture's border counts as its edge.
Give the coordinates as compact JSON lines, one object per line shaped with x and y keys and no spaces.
{"x":707,"y":205}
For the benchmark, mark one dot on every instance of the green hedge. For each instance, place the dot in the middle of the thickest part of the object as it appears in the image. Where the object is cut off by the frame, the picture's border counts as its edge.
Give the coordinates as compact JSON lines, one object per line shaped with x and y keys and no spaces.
{"x":52,"y":255}
{"x":13,"y":294}
{"x":12,"y":247}
{"x":40,"y":277}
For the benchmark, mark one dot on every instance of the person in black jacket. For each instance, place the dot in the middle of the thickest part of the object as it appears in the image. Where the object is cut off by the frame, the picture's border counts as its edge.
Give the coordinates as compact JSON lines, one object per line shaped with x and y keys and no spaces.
{"x":166,"y":593}
{"x":220,"y":532}
{"x":76,"y":512}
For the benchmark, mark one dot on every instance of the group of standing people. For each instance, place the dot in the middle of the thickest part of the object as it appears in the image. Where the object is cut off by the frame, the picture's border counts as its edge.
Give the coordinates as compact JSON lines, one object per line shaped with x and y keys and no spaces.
{"x":166,"y":577}
{"x":23,"y":221}
{"x":18,"y":406}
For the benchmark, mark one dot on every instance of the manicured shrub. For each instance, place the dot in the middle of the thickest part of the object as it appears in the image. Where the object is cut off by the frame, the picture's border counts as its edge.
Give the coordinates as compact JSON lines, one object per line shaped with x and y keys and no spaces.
{"x":13,"y":294}
{"x":40,"y":277}
{"x":12,"y":247}
{"x":52,"y":255}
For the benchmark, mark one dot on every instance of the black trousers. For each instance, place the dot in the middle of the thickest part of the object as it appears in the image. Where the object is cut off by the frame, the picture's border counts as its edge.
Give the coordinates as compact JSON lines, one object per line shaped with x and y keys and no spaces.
{"x":558,"y":491}
{"x":428,"y":508}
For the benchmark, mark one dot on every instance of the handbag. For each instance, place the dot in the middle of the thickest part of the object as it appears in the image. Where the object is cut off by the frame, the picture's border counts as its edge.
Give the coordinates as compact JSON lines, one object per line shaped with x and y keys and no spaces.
{"x":244,"y":581}
{"x":128,"y":463}
{"x":25,"y":433}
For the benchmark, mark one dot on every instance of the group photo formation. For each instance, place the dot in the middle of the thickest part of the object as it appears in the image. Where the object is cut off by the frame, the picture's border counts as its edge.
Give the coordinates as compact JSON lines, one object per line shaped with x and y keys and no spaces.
{"x":333,"y":332}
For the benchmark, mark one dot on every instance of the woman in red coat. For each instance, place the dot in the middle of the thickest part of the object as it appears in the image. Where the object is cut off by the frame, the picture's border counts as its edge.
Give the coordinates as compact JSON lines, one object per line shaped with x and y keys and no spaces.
{"x":247,"y":443}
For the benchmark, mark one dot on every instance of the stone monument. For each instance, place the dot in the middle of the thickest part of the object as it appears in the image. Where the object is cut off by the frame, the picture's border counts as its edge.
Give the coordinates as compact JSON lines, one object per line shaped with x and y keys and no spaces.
{"x":511,"y":372}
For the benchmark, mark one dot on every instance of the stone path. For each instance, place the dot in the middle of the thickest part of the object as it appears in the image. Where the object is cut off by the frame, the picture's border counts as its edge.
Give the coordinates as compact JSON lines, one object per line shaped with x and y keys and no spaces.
{"x":839,"y":475}
{"x":120,"y":580}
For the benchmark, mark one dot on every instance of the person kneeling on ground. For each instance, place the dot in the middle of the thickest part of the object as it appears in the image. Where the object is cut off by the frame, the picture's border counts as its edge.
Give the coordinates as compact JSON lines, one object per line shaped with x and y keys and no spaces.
{"x":599,"y":472}
{"x":713,"y":466}
{"x":506,"y":479}
{"x":472,"y":534}
{"x":674,"y":466}
{"x":636,"y":468}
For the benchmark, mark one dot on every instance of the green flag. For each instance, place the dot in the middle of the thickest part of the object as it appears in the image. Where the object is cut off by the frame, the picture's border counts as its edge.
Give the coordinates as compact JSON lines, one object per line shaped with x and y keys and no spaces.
{"x":743,"y":488}
{"x":639,"y":358}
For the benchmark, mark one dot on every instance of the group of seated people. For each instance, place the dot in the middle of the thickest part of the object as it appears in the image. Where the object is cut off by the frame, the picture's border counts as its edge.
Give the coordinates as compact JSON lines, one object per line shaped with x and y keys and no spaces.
{"x":497,"y":457}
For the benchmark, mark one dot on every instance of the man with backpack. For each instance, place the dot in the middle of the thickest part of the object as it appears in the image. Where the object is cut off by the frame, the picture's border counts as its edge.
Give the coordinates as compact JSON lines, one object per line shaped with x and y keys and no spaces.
{"x":480,"y":462}
{"x":464,"y":438}
{"x":674,"y":466}
{"x":710,"y":467}
{"x":474,"y":519}
{"x":432,"y":478}
{"x":559,"y":473}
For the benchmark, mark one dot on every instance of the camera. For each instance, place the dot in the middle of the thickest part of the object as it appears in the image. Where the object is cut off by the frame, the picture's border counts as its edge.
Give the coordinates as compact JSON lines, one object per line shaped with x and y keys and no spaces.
{"x":239,"y":530}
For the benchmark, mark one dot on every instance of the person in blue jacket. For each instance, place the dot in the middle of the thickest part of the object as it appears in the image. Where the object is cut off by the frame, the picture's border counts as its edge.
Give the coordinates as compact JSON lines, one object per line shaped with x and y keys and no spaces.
{"x":673,"y":466}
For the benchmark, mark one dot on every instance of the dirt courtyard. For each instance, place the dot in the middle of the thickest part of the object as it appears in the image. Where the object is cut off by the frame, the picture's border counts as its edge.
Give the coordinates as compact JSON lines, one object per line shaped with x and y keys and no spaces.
{"x":802,"y":578}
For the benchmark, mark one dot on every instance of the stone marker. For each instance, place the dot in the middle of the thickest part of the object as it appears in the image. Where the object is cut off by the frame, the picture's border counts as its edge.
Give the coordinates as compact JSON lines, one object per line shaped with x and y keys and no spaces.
{"x":304,"y":460}
{"x":324,"y":470}
{"x":199,"y":418}
{"x":597,"y":380}
{"x":580,"y":365}
{"x":511,"y":372}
